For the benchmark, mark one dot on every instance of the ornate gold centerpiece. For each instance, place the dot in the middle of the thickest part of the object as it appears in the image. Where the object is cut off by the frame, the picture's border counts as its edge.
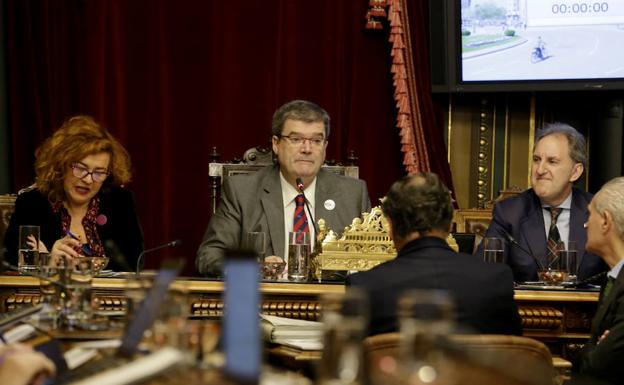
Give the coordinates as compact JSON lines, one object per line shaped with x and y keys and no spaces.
{"x":363,"y":245}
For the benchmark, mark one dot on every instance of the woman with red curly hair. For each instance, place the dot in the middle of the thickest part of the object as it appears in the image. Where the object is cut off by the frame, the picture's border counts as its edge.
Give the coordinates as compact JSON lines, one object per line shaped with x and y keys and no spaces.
{"x":78,"y":199}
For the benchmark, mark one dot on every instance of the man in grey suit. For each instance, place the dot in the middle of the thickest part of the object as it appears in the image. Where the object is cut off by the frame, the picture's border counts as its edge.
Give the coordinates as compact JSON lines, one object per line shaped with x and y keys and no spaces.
{"x":265,"y":200}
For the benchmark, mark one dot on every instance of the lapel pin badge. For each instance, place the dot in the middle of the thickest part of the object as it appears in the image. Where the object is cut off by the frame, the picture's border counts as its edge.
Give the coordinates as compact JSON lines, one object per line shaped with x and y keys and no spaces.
{"x":329,"y":204}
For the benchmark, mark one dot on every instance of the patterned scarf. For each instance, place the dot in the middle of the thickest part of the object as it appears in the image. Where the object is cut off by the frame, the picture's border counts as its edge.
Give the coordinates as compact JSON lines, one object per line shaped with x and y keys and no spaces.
{"x":89,"y":223}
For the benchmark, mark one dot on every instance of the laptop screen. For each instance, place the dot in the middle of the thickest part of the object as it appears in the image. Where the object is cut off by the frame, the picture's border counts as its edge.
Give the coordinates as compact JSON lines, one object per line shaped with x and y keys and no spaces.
{"x":241,"y":327}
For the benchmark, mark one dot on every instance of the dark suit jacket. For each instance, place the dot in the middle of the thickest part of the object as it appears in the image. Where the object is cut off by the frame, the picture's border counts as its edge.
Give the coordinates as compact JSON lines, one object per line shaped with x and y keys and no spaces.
{"x":253,"y":202}
{"x":522,"y":218}
{"x":606,"y":359}
{"x":483,"y":292}
{"x":122,"y":225}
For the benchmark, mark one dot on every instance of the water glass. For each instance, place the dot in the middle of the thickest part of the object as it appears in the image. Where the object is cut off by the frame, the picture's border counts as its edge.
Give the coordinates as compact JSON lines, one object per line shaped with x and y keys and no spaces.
{"x":28,"y":251}
{"x":51,"y":277}
{"x":426,"y":318}
{"x":569,"y":262}
{"x":298,"y":256}
{"x":493,"y":250}
{"x":345,"y":322}
{"x":77,"y":307}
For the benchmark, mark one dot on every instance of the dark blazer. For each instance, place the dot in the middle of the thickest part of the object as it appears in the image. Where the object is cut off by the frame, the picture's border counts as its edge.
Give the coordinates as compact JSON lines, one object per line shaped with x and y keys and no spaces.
{"x":122,"y":224}
{"x":253,"y":202}
{"x":606,"y":359}
{"x":483,"y":292}
{"x":522,"y":218}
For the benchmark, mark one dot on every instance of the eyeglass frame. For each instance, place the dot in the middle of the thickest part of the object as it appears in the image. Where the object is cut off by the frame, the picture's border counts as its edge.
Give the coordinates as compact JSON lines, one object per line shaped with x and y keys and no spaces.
{"x":315,"y":142}
{"x":77,"y":166}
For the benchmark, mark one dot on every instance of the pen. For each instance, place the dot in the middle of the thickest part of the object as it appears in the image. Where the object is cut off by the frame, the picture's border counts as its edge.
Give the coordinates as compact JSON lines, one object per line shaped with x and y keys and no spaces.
{"x":85,"y":247}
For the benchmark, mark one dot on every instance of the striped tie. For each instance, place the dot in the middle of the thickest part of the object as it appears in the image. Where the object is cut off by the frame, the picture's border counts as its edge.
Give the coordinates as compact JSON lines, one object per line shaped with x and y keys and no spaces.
{"x":300,"y":221}
{"x":554,"y":239}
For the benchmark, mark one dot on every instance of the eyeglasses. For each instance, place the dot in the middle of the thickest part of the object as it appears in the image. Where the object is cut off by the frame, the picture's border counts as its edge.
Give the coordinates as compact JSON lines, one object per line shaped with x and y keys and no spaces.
{"x":81,"y":172}
{"x":297,"y":140}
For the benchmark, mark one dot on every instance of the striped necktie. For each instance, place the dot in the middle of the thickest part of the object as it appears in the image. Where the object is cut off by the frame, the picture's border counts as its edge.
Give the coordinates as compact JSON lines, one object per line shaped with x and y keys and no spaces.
{"x":300,"y":220}
{"x":554,"y":239}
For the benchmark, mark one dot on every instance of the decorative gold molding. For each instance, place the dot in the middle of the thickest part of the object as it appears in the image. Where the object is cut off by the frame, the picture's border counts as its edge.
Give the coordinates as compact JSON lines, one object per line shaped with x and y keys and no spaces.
{"x":485,"y":155}
{"x":539,"y":317}
{"x":532,"y":128}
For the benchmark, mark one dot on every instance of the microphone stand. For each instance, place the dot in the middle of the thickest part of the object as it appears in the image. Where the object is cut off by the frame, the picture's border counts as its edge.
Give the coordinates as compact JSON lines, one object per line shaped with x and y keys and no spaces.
{"x":175,"y":243}
{"x":512,"y":240}
{"x":300,"y":188}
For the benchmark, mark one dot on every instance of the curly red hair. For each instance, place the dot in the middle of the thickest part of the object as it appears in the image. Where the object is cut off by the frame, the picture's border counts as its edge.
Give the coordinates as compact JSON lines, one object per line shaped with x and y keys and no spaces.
{"x":79,"y":137}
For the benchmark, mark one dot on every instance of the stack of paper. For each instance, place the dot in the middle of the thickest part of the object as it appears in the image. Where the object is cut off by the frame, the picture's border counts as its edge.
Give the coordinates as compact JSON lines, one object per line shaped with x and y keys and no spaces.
{"x":305,"y":335}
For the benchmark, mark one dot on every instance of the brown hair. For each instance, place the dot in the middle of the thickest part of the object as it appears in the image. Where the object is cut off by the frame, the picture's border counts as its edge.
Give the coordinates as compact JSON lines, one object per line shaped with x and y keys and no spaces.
{"x":78,"y":137}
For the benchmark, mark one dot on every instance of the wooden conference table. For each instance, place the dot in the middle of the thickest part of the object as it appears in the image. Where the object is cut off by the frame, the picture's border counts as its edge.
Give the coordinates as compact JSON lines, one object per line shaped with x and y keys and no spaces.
{"x":559,"y":318}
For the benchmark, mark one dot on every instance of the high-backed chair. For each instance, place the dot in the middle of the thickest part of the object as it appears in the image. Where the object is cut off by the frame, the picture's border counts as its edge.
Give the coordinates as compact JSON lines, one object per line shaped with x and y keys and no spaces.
{"x":253,"y":160}
{"x":520,"y":359}
{"x":477,"y":220}
{"x":7,"y":206}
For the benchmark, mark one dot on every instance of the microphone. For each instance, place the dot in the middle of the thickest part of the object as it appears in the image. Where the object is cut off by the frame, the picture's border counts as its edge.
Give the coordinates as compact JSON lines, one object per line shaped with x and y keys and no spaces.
{"x":589,"y":280}
{"x":174,"y":243}
{"x":300,"y":188}
{"x":512,"y":240}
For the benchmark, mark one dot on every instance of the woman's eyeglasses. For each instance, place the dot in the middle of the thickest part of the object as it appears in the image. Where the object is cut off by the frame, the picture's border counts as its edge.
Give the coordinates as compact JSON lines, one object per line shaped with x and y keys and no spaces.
{"x":81,"y":172}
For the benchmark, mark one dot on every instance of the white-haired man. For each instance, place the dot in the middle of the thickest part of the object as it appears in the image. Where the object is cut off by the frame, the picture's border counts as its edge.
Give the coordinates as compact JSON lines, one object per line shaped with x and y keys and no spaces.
{"x":603,"y":357}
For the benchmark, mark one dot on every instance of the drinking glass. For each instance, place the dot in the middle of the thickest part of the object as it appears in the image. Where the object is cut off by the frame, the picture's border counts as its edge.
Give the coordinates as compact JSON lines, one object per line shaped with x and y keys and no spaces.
{"x":493,"y":250}
{"x":51,"y":273}
{"x":569,"y":262}
{"x":345,"y":322}
{"x":28,"y":251}
{"x":298,"y":256}
{"x":425,"y":320}
{"x":77,"y":308}
{"x":554,"y":273}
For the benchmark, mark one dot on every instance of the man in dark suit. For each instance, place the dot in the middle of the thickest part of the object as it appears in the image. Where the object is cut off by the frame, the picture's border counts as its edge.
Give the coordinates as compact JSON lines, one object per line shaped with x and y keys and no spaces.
{"x":266,"y":200}
{"x":524,"y":221}
{"x":419,"y":213}
{"x":603,"y":357}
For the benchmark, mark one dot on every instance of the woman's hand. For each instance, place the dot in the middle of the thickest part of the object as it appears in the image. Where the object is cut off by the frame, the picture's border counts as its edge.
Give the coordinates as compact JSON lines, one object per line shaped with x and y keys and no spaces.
{"x":65,"y":248}
{"x":32,"y":242}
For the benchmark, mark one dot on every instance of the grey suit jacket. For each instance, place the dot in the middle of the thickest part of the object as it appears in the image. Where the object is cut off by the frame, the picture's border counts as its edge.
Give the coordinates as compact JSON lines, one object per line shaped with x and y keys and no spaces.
{"x":253,"y":202}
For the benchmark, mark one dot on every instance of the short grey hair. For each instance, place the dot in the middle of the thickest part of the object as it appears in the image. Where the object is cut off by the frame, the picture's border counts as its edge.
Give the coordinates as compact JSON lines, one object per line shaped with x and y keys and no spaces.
{"x":576,"y":141}
{"x":611,"y":198}
{"x":301,"y":110}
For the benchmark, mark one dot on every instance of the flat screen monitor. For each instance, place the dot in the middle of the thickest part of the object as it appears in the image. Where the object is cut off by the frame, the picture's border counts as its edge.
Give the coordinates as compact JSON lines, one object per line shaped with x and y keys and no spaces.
{"x":525,"y":45}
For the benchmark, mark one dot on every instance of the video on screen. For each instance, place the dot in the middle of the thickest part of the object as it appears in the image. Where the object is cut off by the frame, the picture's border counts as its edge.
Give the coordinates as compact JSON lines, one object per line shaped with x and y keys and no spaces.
{"x":506,"y":40}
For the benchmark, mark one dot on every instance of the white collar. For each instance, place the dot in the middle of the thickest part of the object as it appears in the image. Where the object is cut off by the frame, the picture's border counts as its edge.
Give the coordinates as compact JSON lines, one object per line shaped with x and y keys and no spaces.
{"x":289,"y":192}
{"x":566,"y":204}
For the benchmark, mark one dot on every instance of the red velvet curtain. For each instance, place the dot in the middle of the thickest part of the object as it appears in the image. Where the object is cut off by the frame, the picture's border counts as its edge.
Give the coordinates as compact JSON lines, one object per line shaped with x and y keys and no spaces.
{"x":171,"y":79}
